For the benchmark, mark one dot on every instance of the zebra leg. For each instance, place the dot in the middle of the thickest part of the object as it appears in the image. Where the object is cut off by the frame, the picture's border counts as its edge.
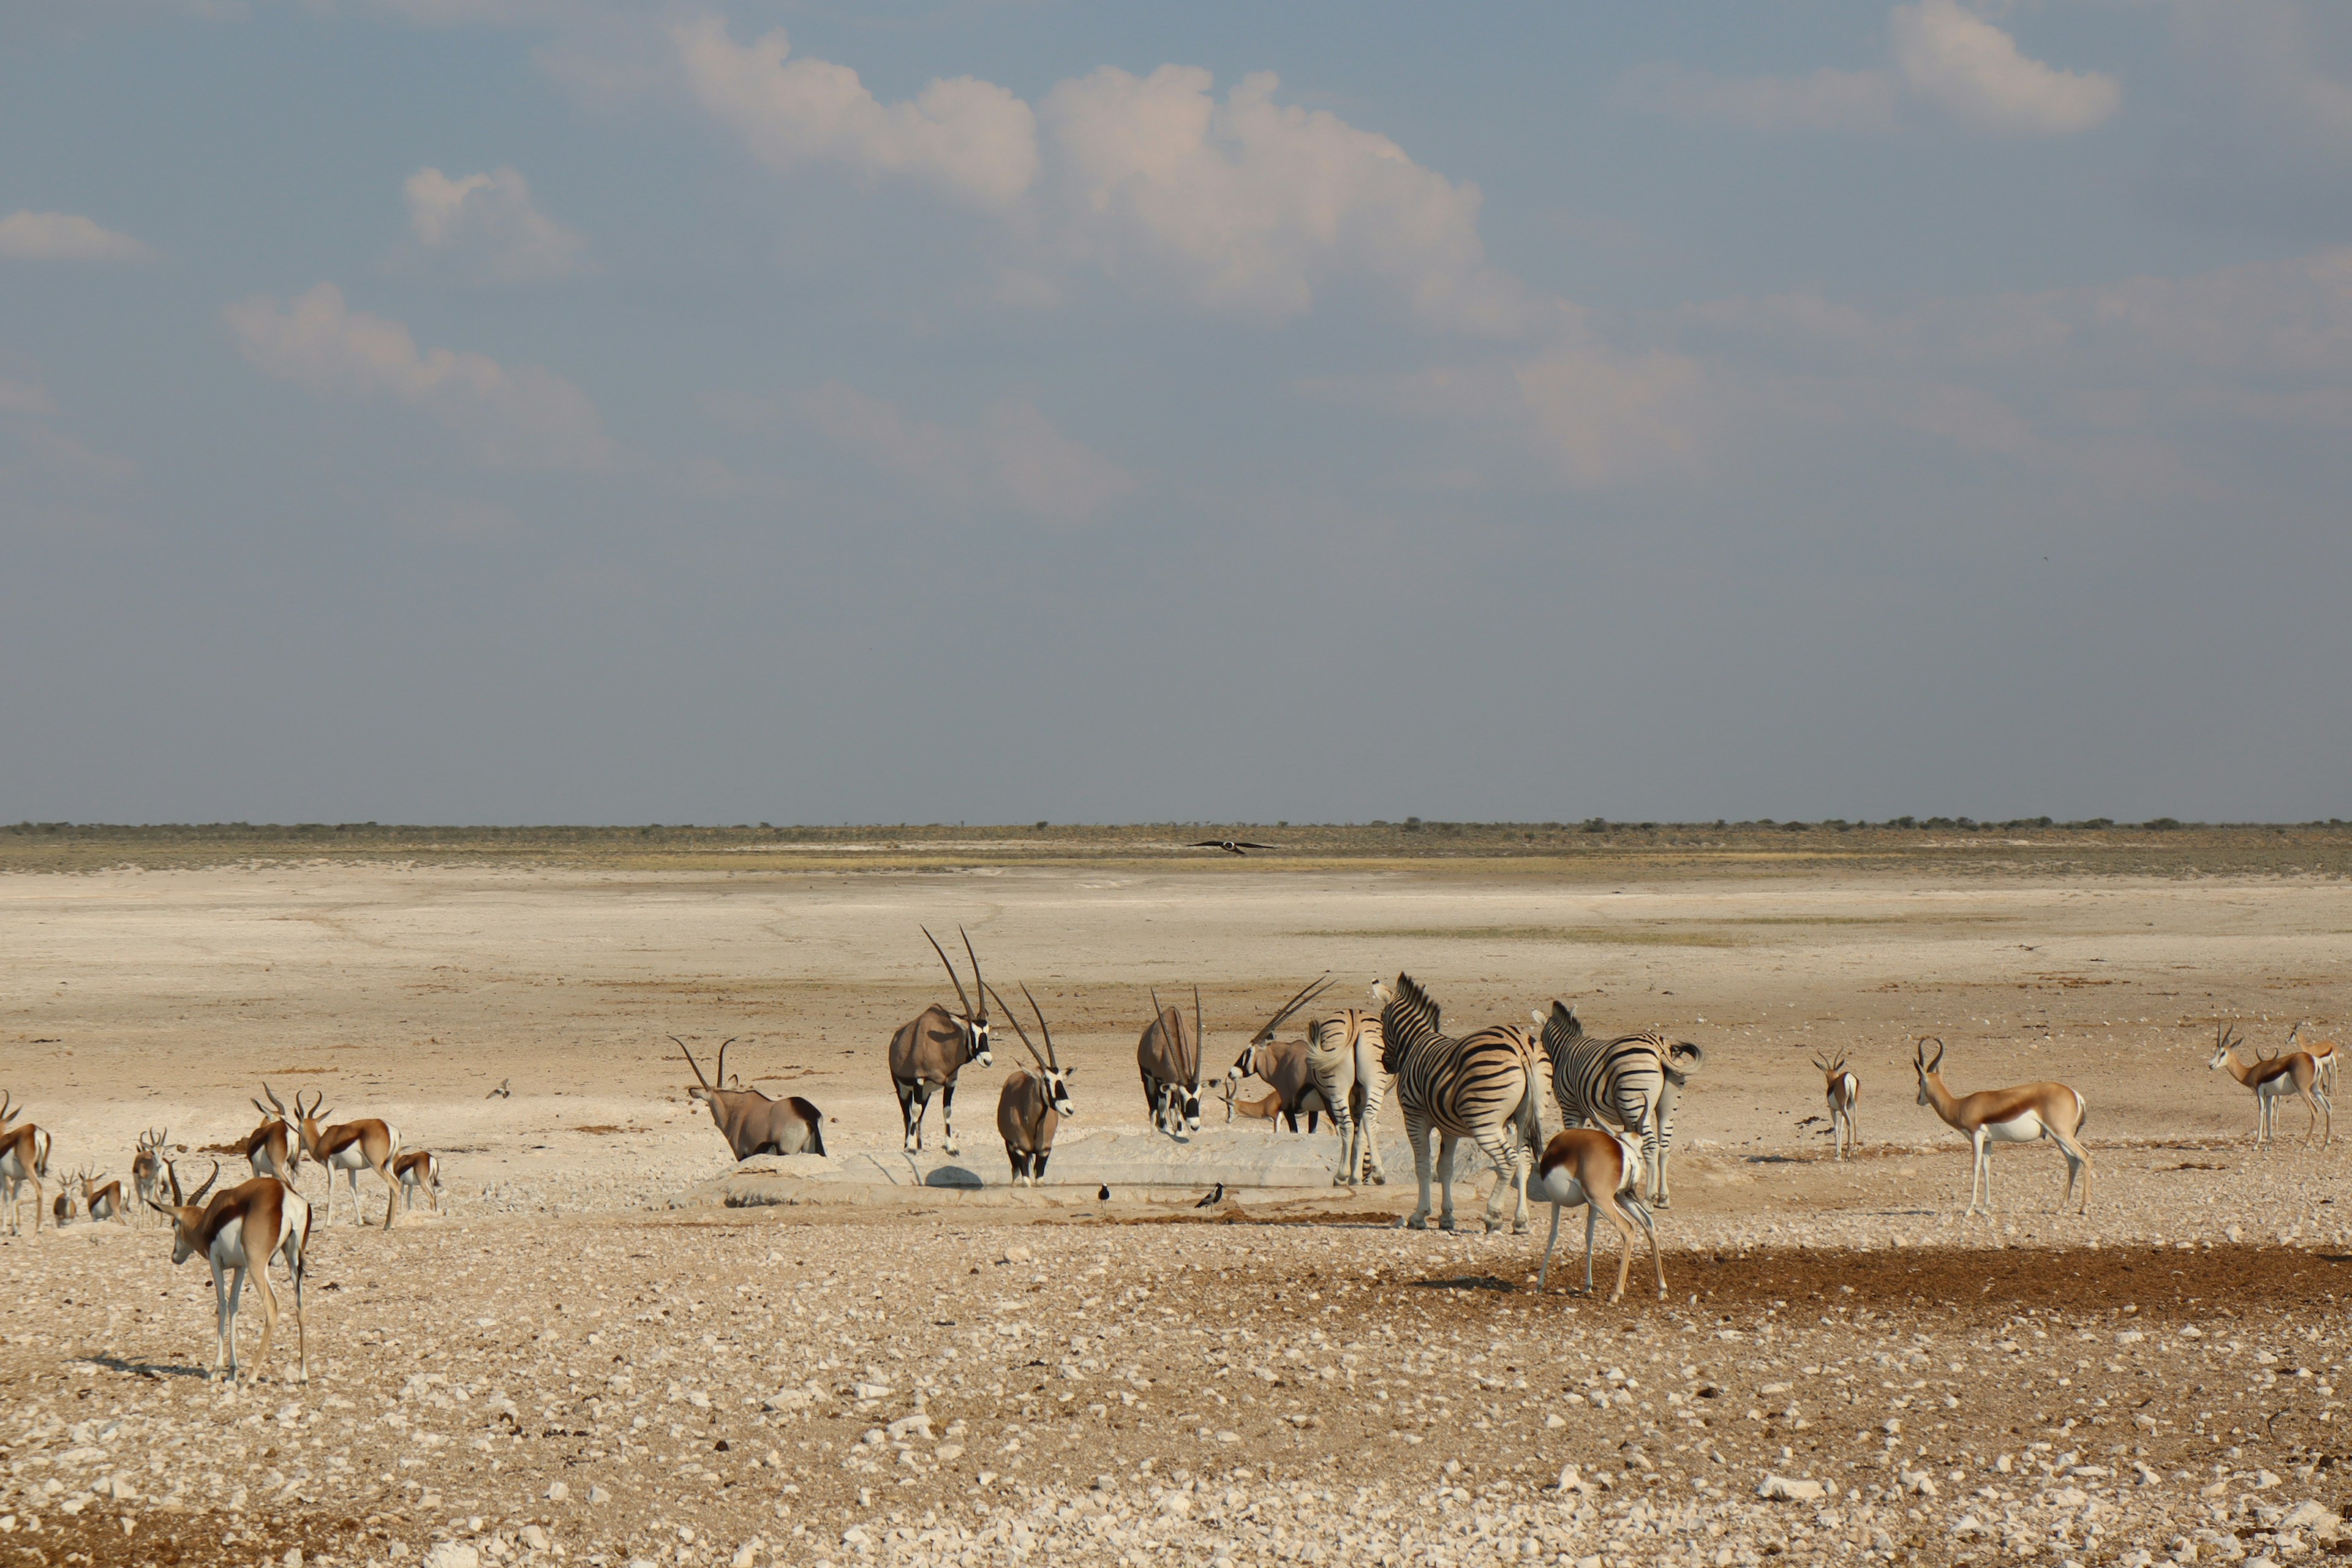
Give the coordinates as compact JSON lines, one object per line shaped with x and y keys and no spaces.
{"x":1445,"y":1146}
{"x":1374,"y":1097}
{"x":1416,"y":1135}
{"x":1505,"y":1152}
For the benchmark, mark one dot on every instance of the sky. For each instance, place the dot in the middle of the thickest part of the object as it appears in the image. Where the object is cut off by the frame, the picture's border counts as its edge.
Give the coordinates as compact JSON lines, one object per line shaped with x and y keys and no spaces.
{"x":526,"y":411}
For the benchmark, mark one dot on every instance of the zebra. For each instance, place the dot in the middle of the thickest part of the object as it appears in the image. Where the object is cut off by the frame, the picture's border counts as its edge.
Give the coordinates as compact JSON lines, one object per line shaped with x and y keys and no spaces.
{"x":1486,"y":1086}
{"x":1343,"y":1053}
{"x":1631,"y":1082}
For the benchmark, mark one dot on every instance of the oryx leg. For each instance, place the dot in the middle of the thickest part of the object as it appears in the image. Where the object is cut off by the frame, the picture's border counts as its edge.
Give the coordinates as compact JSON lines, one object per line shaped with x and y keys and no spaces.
{"x":1416,"y":1135}
{"x":947,"y":1117}
{"x":1037,"y":1165}
{"x":914,"y":1098}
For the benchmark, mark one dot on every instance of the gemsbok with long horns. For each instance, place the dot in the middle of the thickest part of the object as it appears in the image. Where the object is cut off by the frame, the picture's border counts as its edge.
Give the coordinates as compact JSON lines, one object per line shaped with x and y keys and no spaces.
{"x":2322,"y":1052}
{"x":1593,"y":1166}
{"x":2273,"y":1078}
{"x":1631,"y":1083}
{"x":351,"y":1147}
{"x":237,"y":1232}
{"x":419,"y":1172}
{"x":1486,"y":1087}
{"x":1343,"y":1055}
{"x":1170,"y":1066}
{"x":1843,"y":1090}
{"x":274,"y":1147}
{"x":751,"y":1122}
{"x":1033,"y":1101}
{"x":147,"y":1165}
{"x":2028,"y":1112}
{"x":24,"y":1160}
{"x":1283,"y":1065}
{"x":927,"y":1053}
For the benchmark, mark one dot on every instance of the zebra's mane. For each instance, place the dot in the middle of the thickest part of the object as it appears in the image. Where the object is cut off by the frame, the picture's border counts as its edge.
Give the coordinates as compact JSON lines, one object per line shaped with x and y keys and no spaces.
{"x":1414,"y":1013}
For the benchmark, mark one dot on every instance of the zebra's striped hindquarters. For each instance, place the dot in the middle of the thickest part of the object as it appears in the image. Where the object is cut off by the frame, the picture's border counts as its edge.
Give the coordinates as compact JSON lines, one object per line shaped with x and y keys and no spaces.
{"x":1484,"y":1086}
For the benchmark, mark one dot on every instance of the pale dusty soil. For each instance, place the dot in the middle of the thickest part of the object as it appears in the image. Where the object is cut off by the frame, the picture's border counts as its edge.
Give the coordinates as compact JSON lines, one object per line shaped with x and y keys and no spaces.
{"x":1281,"y":1379}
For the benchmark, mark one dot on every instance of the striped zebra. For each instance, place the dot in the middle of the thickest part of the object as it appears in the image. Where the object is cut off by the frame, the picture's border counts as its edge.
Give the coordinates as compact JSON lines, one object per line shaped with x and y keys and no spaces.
{"x":1487,"y":1087}
{"x":1343,"y":1052}
{"x":1631,"y":1083}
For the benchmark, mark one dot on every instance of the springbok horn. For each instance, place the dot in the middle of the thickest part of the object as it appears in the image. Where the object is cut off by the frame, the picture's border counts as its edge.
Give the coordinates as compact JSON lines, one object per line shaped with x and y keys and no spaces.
{"x":208,"y":1183}
{"x":5,"y":1102}
{"x":1052,"y":1059}
{"x":975,"y":974}
{"x":265,"y":1110}
{"x":172,"y":1171}
{"x":721,"y":1068}
{"x":1020,"y":1031}
{"x":274,"y":1100}
{"x":692,"y":1063}
{"x":953,"y":974}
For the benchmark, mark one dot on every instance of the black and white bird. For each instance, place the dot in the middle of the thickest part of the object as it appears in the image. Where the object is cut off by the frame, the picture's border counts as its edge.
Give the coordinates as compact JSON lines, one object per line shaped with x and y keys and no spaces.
{"x":1216,"y":1195}
{"x":1104,"y":1195}
{"x":1230,"y":845}
{"x":502,"y":1091}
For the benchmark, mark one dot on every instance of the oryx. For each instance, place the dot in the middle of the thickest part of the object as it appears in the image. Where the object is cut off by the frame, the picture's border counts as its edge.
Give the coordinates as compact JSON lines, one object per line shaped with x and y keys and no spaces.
{"x":1283,"y":1065}
{"x":1171,"y":1067}
{"x":927,"y":1053}
{"x":1033,"y":1103}
{"x":751,"y":1122}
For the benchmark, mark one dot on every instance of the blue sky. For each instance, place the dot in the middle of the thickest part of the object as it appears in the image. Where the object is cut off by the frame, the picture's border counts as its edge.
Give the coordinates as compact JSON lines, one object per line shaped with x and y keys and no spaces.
{"x":532,"y":410}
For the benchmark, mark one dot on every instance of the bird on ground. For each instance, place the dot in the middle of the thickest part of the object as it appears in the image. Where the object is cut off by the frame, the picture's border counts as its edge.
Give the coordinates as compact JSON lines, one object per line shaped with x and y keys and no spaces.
{"x":1216,"y":1195}
{"x":502,"y":1091}
{"x":1230,"y":845}
{"x":1104,"y":1195}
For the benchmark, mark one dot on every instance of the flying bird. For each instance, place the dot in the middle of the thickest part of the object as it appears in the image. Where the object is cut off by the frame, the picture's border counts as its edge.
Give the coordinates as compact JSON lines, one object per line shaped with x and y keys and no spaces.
{"x":1230,"y":845}
{"x":1216,"y":1195}
{"x":502,"y":1091}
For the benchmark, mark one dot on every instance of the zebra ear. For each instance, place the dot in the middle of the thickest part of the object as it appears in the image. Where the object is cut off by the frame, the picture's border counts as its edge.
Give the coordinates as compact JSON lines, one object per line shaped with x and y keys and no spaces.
{"x":1537,"y":1014}
{"x":1381,"y":993}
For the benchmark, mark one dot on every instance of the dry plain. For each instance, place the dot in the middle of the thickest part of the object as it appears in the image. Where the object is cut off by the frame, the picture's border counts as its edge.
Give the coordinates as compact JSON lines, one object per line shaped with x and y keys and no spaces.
{"x":570,"y":1366}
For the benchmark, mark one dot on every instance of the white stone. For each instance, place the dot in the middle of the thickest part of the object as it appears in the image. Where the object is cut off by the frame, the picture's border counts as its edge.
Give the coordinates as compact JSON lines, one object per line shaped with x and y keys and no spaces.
{"x":2314,"y":1517}
{"x":534,"y":1537}
{"x":452,"y":1555}
{"x":1786,"y":1489}
{"x":598,"y":1494}
{"x":557,"y":1491}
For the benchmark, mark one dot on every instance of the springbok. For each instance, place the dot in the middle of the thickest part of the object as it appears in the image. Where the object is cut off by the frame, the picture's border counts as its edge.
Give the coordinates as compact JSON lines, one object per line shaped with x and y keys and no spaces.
{"x":1844,"y":1090}
{"x":237,"y":1232}
{"x":1033,"y":1101}
{"x":418,"y":1172}
{"x":2322,"y":1052}
{"x":1265,"y":1109}
{"x":24,"y":1158}
{"x":2273,"y":1078}
{"x":1169,"y":1065}
{"x":147,"y":1165}
{"x":274,"y":1147}
{"x":1283,"y":1065}
{"x":1586,"y":1165}
{"x":927,"y":1053}
{"x":751,"y":1122}
{"x":351,"y":1147}
{"x":2019,"y":1115}
{"x":61,"y":1208}
{"x":1343,"y":1053}
{"x":98,"y":1203}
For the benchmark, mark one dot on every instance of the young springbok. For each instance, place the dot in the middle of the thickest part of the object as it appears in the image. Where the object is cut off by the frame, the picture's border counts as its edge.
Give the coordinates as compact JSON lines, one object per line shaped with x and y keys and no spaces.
{"x":352,"y":1147}
{"x":2273,"y":1078}
{"x":2322,"y":1052}
{"x":1587,"y":1165}
{"x":2019,"y":1115}
{"x":237,"y":1232}
{"x":1844,"y":1090}
{"x":418,"y":1172}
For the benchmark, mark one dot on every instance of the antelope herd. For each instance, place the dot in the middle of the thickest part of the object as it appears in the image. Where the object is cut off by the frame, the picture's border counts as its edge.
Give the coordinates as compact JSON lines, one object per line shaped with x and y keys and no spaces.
{"x":1614,"y":1097}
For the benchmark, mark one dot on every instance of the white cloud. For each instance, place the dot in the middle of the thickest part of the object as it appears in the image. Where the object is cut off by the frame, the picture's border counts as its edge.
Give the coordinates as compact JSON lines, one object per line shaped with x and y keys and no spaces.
{"x":971,"y":139}
{"x":1971,"y":67}
{"x":65,"y":236}
{"x":1014,"y":457}
{"x":522,"y":417}
{"x":1828,"y":99}
{"x":491,"y":220}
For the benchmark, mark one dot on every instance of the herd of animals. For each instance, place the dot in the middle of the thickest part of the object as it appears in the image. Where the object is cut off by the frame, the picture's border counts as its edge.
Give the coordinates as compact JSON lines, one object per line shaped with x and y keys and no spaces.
{"x":1615,"y":1097}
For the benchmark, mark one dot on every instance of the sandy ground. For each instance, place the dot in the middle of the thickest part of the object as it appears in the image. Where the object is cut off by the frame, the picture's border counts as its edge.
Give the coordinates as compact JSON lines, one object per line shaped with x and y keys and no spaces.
{"x":1281,"y":1379}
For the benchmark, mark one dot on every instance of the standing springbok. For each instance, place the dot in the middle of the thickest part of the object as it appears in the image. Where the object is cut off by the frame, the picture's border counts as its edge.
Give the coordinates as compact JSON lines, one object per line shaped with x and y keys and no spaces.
{"x":98,"y":1203}
{"x":1631,"y":1082}
{"x":1169,"y":1065}
{"x":24,"y":1158}
{"x":927,"y":1053}
{"x":2322,"y":1052}
{"x":147,"y":1165}
{"x":1284,"y":1064}
{"x":1484,"y":1087}
{"x":1343,"y":1053}
{"x":2019,"y":1115}
{"x":751,"y":1122}
{"x":274,"y":1147}
{"x":351,"y":1147}
{"x":237,"y":1232}
{"x":418,"y":1172}
{"x":1844,"y":1090}
{"x":2275,"y":1078}
{"x":1588,"y":1165}
{"x":1033,"y":1103}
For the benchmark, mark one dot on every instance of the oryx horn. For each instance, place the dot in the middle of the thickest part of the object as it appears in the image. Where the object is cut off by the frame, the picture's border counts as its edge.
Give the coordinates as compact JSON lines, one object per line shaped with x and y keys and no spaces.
{"x":691,"y":1062}
{"x":1023,"y":1032}
{"x":1307,"y":993}
{"x":957,"y":979}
